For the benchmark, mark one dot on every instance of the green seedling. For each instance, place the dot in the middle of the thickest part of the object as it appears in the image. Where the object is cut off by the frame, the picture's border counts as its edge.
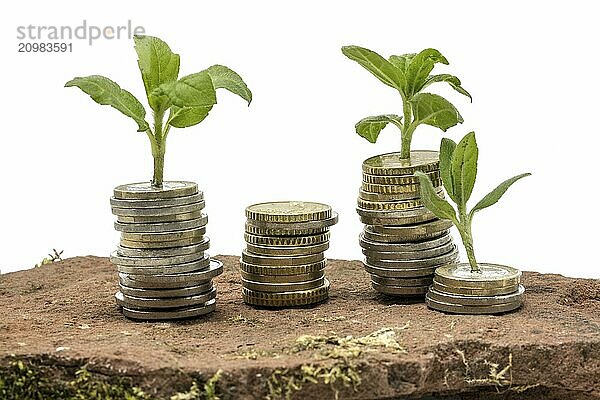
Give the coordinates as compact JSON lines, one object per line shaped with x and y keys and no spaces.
{"x":409,"y":74}
{"x":184,"y":102}
{"x":458,"y":167}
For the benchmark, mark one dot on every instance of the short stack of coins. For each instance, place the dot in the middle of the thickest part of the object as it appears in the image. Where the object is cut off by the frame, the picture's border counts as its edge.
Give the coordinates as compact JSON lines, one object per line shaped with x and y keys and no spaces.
{"x":164,"y":272}
{"x":402,"y":241}
{"x":491,"y":290}
{"x":283,"y":264}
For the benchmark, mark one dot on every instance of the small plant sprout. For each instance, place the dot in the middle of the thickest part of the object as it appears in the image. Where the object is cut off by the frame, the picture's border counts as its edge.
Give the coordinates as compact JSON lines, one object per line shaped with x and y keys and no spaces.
{"x":178,"y":103}
{"x":409,"y":75}
{"x":458,"y":167}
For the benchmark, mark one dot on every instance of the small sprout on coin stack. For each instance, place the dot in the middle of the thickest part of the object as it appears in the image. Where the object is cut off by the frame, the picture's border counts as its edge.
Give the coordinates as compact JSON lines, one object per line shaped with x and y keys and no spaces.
{"x":456,"y":288}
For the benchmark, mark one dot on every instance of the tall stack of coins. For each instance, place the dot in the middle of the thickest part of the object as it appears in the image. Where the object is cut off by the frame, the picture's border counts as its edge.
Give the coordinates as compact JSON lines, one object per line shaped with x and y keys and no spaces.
{"x":283,"y":264}
{"x":164,"y":272}
{"x":402,"y":241}
{"x":495,"y":289}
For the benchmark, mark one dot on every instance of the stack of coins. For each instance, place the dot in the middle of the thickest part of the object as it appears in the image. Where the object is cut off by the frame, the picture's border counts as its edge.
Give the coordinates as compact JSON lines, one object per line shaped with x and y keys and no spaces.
{"x":164,"y":272}
{"x":283,"y":264}
{"x":494,"y":289}
{"x":402,"y":241}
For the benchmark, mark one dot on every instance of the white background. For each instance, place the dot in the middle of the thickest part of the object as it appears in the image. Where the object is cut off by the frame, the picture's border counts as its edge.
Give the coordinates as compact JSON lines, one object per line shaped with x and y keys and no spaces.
{"x":530,"y":66}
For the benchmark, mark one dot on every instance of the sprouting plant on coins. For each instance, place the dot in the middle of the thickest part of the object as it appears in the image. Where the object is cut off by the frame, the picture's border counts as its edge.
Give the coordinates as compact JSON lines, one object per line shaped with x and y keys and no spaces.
{"x":458,"y":167}
{"x":185,"y":102}
{"x":409,"y":74}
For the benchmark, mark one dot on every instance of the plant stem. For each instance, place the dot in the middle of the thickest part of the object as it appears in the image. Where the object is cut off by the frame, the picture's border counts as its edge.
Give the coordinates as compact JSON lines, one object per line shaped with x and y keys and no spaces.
{"x":467,"y":238}
{"x":158,"y":149}
{"x":407,"y":132}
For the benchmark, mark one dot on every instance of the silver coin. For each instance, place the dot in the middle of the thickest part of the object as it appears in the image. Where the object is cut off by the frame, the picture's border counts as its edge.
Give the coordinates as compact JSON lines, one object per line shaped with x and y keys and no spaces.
{"x":443,"y":259}
{"x":462,"y":309}
{"x":398,"y":220}
{"x":434,"y":226}
{"x":382,"y":280}
{"x":281,"y":261}
{"x":287,"y":226}
{"x":115,"y":258}
{"x":286,"y":250}
{"x":172,"y":302}
{"x":384,"y":239}
{"x":403,"y":247}
{"x":413,"y":212}
{"x":409,"y":255}
{"x":167,"y":269}
{"x":400,"y":273}
{"x":282,"y":287}
{"x":162,"y":293}
{"x":466,"y":291}
{"x":172,"y":281}
{"x":161,"y":245}
{"x":160,"y":218}
{"x":157,"y":212}
{"x":157,"y":203}
{"x":162,"y":227}
{"x":146,"y":191}
{"x":169,"y":252}
{"x":176,"y":313}
{"x":164,"y":236}
{"x":311,"y":276}
{"x":372,"y":196}
{"x":408,"y":291}
{"x":476,"y":300}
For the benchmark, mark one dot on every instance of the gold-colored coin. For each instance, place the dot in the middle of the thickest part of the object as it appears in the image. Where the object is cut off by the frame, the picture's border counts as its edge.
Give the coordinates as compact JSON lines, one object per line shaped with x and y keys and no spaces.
{"x":435,"y":226}
{"x":398,"y":179}
{"x":390,"y":189}
{"x":145,"y":190}
{"x":286,"y":227}
{"x":293,"y":241}
{"x":393,"y":164}
{"x":281,"y":261}
{"x":413,"y":220}
{"x":288,"y":211}
{"x":161,"y":245}
{"x":463,"y":291}
{"x":389,"y":205}
{"x":311,"y":276}
{"x":286,"y":251}
{"x":160,"y":218}
{"x":414,"y":212}
{"x":284,"y":232}
{"x":370,"y":196}
{"x":369,"y":234}
{"x":282,"y":287}
{"x":278,"y":270}
{"x":286,"y":299}
{"x":490,"y":276}
{"x":164,"y":236}
{"x":436,"y":295}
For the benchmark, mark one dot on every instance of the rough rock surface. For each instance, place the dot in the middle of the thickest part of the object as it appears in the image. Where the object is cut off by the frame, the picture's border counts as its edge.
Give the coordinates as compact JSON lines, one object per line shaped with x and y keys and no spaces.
{"x":62,"y":317}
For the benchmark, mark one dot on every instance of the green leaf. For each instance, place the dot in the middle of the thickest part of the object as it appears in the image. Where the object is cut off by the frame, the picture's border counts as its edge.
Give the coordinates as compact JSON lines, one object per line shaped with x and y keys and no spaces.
{"x":188,"y":116}
{"x":370,"y":127}
{"x":495,"y":195}
{"x":158,"y":65}
{"x":377,"y":65}
{"x":434,"y":110}
{"x":194,"y":90}
{"x":464,"y":168}
{"x":452,"y":80}
{"x":434,"y":203}
{"x":419,"y":68}
{"x":106,"y":92}
{"x":225,"y":78}
{"x":447,"y":147}
{"x":401,"y":62}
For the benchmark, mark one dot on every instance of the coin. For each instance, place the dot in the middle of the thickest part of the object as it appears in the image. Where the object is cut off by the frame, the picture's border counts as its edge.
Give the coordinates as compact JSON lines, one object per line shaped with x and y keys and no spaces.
{"x":393,"y":164}
{"x":404,"y":246}
{"x":168,"y":252}
{"x":115,"y":258}
{"x":292,"y":241}
{"x":160,"y":218}
{"x":164,"y":236}
{"x":476,"y":300}
{"x":286,"y":299}
{"x":430,"y":227}
{"x":278,"y":270}
{"x":414,"y":212}
{"x":389,"y":189}
{"x":162,"y":227}
{"x":288,"y":211}
{"x":166,"y":269}
{"x":420,"y":263}
{"x":282,"y":287}
{"x":161,"y":245}
{"x":172,"y":302}
{"x":369,"y":196}
{"x":460,"y":309}
{"x":286,"y":251}
{"x":284,"y":232}
{"x":389,"y":205}
{"x":157,"y":203}
{"x":172,"y":281}
{"x":491,"y":276}
{"x":284,"y":227}
{"x":410,"y":255}
{"x":158,"y":211}
{"x":393,"y":240}
{"x":311,"y":276}
{"x":400,"y":290}
{"x":177,"y":313}
{"x":473,"y":291}
{"x":145,"y":190}
{"x":385,"y":281}
{"x":400,"y":273}
{"x":281,"y":261}
{"x":162,"y":293}
{"x":412,"y":220}
{"x":398,"y":179}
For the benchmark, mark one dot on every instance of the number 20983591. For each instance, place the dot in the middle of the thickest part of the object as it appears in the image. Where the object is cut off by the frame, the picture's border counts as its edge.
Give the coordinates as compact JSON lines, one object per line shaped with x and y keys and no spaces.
{"x":45,"y":47}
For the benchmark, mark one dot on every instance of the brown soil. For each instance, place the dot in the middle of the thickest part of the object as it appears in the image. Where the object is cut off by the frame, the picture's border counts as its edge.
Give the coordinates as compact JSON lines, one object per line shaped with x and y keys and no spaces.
{"x":63,"y":316}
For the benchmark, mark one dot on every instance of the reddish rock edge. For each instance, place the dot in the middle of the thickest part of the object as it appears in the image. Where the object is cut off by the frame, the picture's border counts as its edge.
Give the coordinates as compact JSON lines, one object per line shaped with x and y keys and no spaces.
{"x":64,"y":315}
